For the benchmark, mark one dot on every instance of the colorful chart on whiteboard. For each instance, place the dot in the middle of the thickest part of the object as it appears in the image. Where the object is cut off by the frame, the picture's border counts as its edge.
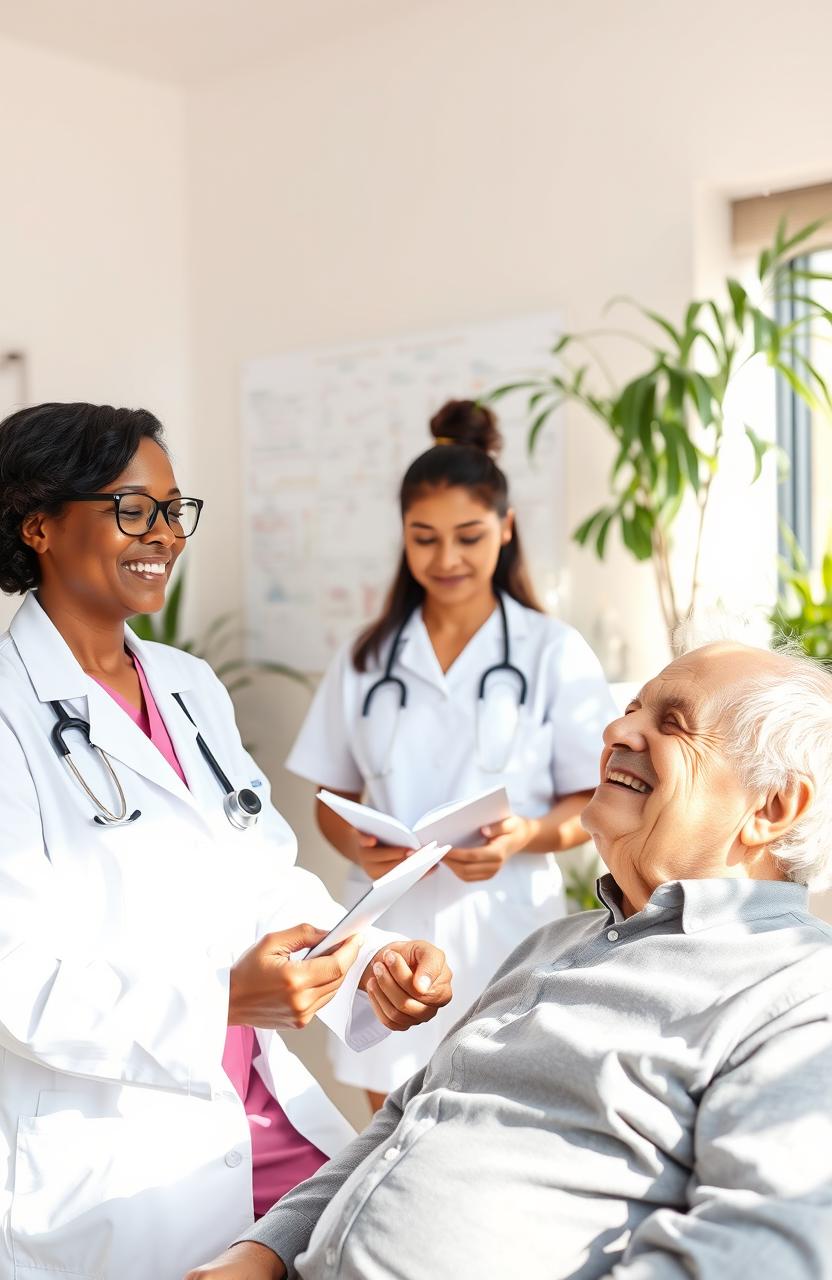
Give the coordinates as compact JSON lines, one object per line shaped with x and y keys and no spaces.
{"x":327,"y":436}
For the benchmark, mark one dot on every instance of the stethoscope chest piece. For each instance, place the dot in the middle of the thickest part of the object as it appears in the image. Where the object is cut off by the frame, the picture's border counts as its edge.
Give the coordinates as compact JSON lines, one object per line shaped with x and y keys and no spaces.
{"x":242,"y":808}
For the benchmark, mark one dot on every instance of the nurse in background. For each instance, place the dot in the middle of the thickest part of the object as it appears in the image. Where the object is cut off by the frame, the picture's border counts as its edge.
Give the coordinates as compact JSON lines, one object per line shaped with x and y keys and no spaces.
{"x":461,"y":558}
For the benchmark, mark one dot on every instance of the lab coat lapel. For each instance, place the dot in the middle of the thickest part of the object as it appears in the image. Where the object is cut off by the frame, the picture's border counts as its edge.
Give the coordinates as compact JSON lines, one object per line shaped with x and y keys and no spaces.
{"x":416,"y":655}
{"x":484,"y":649}
{"x":166,"y":674}
{"x":57,"y":676}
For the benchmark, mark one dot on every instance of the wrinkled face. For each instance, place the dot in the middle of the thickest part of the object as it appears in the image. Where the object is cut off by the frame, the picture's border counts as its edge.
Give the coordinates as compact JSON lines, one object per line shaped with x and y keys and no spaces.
{"x":670,"y":805}
{"x":89,"y":564}
{"x":452,"y":542}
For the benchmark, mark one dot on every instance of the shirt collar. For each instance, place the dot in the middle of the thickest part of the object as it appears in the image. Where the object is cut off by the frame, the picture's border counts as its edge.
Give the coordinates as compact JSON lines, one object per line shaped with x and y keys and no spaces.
{"x":56,"y":673}
{"x":416,"y":652}
{"x":706,"y":904}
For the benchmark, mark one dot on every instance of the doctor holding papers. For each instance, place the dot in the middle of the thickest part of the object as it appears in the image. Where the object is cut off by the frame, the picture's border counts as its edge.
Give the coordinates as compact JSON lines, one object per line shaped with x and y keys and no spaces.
{"x":463,"y":688}
{"x":379,"y":897}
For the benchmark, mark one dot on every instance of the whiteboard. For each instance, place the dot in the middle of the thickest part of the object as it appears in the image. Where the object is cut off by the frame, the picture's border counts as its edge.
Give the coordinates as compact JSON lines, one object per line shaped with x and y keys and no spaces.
{"x":327,"y":436}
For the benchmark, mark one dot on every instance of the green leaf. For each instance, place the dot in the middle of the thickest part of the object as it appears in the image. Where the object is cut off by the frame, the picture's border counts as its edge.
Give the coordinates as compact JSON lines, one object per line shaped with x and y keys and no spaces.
{"x":537,"y":424}
{"x":584,"y":529}
{"x":717,"y":318}
{"x":798,"y":273}
{"x":761,"y":448}
{"x":673,"y":473}
{"x":507,"y":389}
{"x":805,"y":233}
{"x":636,"y":532}
{"x":703,"y":396}
{"x":798,"y":385}
{"x":657,"y":319}
{"x":601,"y":539}
{"x":141,"y":624}
{"x":739,"y":301}
{"x":170,"y":613}
{"x":281,"y":669}
{"x":690,"y":459}
{"x":764,"y":262}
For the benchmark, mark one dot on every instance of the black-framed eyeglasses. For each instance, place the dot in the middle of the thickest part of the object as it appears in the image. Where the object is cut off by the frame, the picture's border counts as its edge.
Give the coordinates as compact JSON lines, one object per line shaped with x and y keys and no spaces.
{"x":136,"y":512}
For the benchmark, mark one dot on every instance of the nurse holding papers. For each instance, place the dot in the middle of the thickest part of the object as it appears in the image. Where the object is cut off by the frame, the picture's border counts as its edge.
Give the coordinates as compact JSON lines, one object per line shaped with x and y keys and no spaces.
{"x":152,"y":913}
{"x":463,"y":685}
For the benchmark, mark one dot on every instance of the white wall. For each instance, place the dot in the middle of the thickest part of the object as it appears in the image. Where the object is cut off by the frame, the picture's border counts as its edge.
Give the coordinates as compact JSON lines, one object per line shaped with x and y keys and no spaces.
{"x":473,"y":160}
{"x":478,"y":159}
{"x":93,"y":260}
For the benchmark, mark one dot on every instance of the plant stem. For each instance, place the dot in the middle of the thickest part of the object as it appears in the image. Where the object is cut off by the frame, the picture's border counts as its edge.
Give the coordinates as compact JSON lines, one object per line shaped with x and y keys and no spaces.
{"x":704,"y":495}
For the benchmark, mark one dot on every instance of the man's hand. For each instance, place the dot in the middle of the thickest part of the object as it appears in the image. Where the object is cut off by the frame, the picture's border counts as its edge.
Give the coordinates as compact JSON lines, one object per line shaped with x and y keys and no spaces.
{"x":377,"y":859}
{"x":504,"y":839}
{"x":270,"y":989}
{"x":407,"y":982}
{"x":244,"y":1261}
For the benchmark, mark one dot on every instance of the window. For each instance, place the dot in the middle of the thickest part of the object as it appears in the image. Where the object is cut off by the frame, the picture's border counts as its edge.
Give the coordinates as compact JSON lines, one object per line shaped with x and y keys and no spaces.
{"x":805,"y":496}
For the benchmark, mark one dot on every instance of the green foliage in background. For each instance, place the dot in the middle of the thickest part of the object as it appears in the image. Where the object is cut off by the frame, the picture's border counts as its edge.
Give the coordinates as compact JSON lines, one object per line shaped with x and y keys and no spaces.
{"x":804,"y":611}
{"x":667,"y":422}
{"x":579,"y":884}
{"x":165,"y":627}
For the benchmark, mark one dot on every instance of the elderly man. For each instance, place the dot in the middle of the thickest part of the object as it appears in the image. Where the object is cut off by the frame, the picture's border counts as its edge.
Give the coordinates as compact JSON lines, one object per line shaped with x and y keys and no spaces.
{"x":643,"y":1092}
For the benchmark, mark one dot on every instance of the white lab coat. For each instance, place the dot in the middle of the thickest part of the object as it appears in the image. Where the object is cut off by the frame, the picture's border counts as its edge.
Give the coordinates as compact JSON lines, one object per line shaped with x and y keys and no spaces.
{"x":435,"y":758}
{"x":124,"y":1149}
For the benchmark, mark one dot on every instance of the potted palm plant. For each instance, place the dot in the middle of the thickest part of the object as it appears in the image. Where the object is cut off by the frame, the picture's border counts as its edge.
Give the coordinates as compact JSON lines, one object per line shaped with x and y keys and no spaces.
{"x":668,"y":422}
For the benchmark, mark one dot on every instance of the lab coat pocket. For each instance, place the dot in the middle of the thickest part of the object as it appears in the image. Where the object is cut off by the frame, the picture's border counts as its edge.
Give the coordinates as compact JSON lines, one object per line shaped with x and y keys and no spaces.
{"x":533,"y":749}
{"x":60,"y":1218}
{"x":113,"y":1184}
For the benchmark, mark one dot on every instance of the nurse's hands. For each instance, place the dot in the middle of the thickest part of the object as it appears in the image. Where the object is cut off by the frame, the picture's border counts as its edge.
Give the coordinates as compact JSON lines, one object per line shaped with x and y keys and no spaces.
{"x":376,"y":859}
{"x":244,"y":1261}
{"x":270,"y":989}
{"x":407,"y":983}
{"x":503,"y":840}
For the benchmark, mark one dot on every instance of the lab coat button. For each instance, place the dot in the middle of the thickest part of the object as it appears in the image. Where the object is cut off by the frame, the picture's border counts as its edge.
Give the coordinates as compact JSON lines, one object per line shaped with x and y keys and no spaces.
{"x":233,"y":1158}
{"x":330,"y":1257}
{"x":613,"y":935}
{"x":391,"y":1153}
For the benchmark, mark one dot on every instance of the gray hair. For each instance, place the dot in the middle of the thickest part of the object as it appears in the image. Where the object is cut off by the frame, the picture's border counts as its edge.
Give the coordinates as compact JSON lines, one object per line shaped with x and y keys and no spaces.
{"x":781,"y":730}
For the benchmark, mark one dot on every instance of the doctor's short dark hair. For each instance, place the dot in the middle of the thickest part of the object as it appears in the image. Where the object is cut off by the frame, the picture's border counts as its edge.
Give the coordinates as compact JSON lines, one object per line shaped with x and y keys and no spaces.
{"x":53,"y":449}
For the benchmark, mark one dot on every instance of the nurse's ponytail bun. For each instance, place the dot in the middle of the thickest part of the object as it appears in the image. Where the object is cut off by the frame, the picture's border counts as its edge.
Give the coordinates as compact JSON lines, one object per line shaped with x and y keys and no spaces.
{"x":465,"y":422}
{"x":466,"y":444}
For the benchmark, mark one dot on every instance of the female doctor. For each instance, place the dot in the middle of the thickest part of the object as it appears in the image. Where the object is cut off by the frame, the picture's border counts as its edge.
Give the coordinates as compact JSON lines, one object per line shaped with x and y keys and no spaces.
{"x":408,"y":717}
{"x":151,"y":907}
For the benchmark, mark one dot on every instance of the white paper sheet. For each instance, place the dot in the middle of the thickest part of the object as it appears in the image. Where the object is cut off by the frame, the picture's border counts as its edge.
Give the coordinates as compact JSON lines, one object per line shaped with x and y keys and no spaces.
{"x":381,"y":895}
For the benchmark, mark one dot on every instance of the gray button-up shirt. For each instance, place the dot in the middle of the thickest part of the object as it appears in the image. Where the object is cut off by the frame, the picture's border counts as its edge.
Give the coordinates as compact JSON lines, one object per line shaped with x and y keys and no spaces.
{"x":646,"y":1099}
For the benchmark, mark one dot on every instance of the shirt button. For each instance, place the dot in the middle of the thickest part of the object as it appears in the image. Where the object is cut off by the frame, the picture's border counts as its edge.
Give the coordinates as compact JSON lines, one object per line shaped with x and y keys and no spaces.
{"x":233,"y":1158}
{"x":613,"y":935}
{"x":330,"y":1257}
{"x":392,"y":1153}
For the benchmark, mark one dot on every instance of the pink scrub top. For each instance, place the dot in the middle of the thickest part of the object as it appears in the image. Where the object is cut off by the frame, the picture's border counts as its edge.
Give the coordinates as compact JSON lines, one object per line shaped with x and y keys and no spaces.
{"x":281,"y":1157}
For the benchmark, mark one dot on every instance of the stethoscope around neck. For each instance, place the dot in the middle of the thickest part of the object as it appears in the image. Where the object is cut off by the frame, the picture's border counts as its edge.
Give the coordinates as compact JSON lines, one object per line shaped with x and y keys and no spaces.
{"x":396,"y":682}
{"x":242,"y":807}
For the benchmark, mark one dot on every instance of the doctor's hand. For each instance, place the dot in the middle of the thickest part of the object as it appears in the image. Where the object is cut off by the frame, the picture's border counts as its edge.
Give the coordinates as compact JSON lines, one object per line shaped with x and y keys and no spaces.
{"x":503,"y":840}
{"x":376,"y":859}
{"x":271,"y":989}
{"x":407,"y":982}
{"x":244,"y":1261}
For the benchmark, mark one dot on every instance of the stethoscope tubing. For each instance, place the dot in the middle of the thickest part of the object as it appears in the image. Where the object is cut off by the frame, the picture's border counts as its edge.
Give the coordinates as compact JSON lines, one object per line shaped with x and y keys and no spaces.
{"x":242,"y":808}
{"x":388,"y":679}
